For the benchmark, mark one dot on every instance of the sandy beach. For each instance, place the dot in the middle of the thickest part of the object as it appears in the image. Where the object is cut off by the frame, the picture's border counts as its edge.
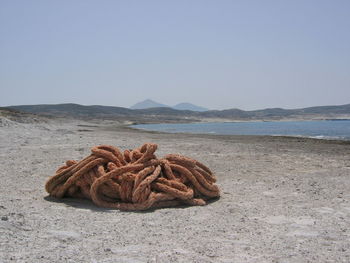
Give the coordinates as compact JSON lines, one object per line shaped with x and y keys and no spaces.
{"x":282,"y":200}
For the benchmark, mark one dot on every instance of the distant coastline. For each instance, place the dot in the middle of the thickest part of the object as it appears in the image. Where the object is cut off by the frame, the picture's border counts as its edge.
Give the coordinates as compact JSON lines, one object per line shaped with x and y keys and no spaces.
{"x":170,"y":115}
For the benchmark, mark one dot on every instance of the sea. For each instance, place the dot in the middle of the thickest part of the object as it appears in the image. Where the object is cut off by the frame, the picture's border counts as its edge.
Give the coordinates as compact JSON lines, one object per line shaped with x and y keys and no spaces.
{"x":321,"y":129}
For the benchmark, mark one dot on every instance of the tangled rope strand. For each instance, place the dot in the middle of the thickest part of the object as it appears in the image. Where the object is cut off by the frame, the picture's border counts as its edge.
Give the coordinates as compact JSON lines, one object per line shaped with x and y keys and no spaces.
{"x":134,"y":179}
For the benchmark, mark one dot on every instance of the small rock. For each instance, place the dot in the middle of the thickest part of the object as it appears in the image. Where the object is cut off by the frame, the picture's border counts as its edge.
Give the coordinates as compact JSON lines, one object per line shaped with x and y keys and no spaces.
{"x":4,"y":218}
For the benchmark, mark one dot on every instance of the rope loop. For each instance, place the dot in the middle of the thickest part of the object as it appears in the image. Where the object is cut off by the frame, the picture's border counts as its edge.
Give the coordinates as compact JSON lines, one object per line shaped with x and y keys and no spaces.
{"x":134,"y":179}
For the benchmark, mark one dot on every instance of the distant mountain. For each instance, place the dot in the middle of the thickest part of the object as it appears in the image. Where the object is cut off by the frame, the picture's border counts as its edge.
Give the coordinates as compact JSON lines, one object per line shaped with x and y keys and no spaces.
{"x":146,"y":104}
{"x":189,"y":106}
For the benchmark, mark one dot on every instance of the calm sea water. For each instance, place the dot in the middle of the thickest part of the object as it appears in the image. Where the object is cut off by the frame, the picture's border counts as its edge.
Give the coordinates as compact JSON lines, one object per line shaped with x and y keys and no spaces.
{"x":330,"y":129}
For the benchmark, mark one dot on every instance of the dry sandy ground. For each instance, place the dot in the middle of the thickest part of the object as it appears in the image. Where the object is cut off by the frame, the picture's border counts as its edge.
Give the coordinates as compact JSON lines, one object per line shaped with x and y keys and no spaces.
{"x":283,"y":200}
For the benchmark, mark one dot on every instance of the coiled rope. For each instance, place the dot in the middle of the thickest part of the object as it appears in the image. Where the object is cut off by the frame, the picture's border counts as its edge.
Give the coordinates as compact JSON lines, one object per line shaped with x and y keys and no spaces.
{"x":135,"y":179}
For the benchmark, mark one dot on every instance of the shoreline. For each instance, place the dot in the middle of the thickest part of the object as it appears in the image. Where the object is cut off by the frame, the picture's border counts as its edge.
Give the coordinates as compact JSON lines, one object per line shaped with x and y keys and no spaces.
{"x":346,"y":141}
{"x":225,"y":120}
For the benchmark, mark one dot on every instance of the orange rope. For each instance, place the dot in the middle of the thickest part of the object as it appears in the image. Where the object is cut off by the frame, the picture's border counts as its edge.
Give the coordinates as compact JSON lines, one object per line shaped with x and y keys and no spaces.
{"x":134,"y":179}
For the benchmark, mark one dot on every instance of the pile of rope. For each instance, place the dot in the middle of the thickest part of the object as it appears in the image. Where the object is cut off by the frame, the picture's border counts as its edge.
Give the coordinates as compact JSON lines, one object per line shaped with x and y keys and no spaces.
{"x":135,"y":179}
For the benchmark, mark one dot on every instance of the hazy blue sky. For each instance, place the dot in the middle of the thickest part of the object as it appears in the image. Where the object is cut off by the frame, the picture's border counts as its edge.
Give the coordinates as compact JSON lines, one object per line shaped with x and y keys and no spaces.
{"x":217,"y":54}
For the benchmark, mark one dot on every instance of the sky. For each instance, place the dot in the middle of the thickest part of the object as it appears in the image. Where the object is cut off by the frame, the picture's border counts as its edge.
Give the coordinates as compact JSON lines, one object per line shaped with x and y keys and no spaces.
{"x":217,"y":54}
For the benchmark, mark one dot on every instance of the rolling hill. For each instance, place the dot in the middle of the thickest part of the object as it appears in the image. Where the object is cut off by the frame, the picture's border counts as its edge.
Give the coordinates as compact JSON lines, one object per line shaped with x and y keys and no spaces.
{"x":166,"y":114}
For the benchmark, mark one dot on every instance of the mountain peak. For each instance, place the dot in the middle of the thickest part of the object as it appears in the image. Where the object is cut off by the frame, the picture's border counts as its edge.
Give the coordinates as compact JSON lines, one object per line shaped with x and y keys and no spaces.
{"x":148,"y":104}
{"x":189,"y":106}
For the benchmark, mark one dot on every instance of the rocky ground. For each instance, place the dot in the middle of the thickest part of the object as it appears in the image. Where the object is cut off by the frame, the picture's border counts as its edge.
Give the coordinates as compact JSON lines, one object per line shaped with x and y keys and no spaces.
{"x":283,"y":200}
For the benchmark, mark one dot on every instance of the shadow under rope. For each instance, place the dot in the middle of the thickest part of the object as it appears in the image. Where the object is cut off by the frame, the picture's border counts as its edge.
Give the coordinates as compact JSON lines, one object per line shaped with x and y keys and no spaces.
{"x":81,"y":203}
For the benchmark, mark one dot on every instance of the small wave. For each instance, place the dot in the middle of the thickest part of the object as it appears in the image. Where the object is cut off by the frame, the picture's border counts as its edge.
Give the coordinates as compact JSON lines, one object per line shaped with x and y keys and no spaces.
{"x":323,"y":137}
{"x":320,"y":137}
